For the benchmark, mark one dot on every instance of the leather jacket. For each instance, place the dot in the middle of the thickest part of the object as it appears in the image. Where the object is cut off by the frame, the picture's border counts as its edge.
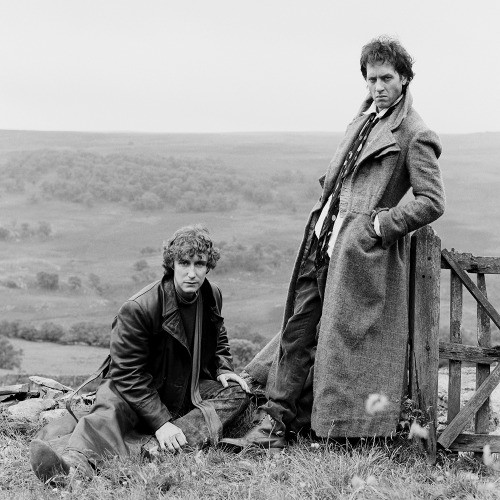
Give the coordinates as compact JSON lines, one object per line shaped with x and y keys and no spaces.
{"x":150,"y":359}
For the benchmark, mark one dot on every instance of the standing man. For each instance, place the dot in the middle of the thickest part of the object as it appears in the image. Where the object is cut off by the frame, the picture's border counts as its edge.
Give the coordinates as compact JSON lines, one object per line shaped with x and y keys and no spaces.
{"x":170,"y":375}
{"x":346,"y":315}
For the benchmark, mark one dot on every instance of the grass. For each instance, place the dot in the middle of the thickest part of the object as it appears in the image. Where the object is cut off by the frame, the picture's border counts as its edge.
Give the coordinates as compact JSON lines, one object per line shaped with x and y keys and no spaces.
{"x":306,"y":470}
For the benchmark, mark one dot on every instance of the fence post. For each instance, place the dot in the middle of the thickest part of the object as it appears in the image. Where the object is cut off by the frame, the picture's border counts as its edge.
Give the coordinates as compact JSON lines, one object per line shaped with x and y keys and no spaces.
{"x":424,"y":298}
{"x":482,"y":418}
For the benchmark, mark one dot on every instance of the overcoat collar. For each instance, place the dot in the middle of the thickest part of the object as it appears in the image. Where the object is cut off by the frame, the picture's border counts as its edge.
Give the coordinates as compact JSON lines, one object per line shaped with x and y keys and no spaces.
{"x":382,"y":141}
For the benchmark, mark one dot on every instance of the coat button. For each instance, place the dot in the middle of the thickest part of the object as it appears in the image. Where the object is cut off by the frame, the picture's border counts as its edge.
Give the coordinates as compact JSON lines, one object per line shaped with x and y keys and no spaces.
{"x":334,"y":218}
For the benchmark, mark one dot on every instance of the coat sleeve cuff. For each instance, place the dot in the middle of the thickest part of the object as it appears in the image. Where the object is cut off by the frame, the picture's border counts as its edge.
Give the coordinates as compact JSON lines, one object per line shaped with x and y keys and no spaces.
{"x":154,"y":417}
{"x":221,"y":371}
{"x":392,"y":225}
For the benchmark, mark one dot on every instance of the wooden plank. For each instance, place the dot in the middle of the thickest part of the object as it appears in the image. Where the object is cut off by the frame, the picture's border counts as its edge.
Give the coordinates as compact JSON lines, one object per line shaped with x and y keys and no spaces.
{"x":473,"y":289}
{"x":455,"y":367}
{"x":482,"y":419}
{"x":425,"y":270}
{"x":469,"y":353}
{"x":473,"y":264}
{"x":475,"y":442}
{"x":14,"y":389}
{"x":466,"y":413}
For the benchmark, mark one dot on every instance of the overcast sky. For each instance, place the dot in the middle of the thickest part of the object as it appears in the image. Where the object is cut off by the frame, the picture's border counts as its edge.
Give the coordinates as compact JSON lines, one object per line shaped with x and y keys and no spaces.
{"x":234,"y":65}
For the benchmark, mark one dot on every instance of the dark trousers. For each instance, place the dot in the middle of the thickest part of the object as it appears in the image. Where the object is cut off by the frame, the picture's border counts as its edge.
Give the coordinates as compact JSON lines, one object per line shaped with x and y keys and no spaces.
{"x":290,"y":391}
{"x":112,"y":428}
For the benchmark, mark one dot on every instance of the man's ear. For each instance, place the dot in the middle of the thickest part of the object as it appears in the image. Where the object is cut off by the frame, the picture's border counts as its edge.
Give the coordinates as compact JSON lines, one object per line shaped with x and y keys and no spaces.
{"x":404,"y":80}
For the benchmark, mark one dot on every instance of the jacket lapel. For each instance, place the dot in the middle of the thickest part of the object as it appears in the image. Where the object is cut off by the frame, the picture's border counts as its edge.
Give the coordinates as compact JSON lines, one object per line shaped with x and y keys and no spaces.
{"x":172,"y":323}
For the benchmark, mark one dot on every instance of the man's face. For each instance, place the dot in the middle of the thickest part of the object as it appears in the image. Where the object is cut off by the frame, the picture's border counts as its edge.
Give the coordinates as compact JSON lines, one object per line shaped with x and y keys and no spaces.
{"x":384,"y":83}
{"x":189,"y":274}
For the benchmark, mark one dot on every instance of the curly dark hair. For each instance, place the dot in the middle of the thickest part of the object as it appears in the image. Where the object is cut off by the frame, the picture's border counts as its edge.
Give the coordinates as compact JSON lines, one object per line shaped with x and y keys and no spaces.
{"x":187,"y":242}
{"x":388,"y":50}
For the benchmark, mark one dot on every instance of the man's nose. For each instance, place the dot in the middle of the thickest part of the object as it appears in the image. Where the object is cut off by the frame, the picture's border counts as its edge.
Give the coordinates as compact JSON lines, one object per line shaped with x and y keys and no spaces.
{"x":191,"y":270}
{"x":378,"y":86}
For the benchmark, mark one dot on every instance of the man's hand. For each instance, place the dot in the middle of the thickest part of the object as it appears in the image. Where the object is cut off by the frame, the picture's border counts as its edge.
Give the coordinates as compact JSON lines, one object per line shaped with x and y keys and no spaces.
{"x":224,"y":377}
{"x":171,"y":437}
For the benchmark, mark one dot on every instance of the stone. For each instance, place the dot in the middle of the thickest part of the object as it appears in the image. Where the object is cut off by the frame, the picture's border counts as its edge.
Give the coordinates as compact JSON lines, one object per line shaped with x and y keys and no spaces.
{"x":49,"y":415}
{"x":51,"y":393}
{"x":30,"y":409}
{"x":50,"y":383}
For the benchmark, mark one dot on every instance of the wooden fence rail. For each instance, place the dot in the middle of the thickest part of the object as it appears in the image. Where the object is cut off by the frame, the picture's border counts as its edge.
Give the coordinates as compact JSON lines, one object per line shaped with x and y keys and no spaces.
{"x":426,"y":261}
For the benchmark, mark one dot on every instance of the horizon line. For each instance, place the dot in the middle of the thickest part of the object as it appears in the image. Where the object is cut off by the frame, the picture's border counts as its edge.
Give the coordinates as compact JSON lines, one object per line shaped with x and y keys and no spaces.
{"x":235,"y":132}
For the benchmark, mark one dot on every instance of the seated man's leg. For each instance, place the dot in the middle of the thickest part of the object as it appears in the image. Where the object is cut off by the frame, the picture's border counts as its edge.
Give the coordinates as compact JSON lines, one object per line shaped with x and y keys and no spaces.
{"x":98,"y":434}
{"x":101,"y":433}
{"x":228,"y":402}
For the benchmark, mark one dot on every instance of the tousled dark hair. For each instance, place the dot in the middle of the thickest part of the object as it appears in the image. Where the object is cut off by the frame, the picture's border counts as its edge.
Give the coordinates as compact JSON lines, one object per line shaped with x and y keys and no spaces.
{"x":388,"y":50}
{"x":187,"y":242}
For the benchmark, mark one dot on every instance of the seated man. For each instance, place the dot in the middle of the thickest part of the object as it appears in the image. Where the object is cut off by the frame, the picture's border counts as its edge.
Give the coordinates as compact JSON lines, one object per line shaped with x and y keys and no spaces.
{"x":168,"y":374}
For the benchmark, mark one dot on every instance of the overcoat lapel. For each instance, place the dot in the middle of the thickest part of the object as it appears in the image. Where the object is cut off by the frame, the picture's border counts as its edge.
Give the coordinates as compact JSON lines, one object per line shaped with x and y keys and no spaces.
{"x":383,"y":140}
{"x":336,"y":164}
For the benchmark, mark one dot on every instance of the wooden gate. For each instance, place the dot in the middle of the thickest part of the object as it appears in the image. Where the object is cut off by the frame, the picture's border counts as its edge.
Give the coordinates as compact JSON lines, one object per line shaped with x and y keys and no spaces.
{"x":427,"y":260}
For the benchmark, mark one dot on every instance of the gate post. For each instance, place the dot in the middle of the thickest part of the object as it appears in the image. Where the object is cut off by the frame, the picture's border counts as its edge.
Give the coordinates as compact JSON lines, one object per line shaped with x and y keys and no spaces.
{"x":424,"y":298}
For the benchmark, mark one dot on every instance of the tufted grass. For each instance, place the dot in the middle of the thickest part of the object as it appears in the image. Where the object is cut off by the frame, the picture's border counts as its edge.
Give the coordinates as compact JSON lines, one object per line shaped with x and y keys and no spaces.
{"x":394,"y":469}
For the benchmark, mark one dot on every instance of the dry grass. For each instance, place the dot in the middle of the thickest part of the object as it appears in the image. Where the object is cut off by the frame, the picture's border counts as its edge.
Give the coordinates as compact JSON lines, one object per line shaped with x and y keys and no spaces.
{"x":309,"y":470}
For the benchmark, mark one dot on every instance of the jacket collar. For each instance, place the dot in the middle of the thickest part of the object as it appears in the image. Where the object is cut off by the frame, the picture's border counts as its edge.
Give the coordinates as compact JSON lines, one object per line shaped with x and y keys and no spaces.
{"x":169,"y":297}
{"x":172,"y":322}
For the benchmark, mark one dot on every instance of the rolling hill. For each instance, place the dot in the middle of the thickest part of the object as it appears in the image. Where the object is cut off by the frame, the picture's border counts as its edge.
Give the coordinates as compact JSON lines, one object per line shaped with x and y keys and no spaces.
{"x":93,"y":209}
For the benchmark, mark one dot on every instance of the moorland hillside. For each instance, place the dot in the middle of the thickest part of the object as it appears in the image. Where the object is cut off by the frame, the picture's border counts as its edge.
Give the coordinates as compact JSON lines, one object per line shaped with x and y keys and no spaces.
{"x":83,"y":216}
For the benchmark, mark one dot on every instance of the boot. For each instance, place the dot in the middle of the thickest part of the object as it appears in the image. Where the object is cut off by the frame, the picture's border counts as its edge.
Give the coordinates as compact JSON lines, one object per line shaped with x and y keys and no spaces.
{"x":48,"y":465}
{"x":264,"y":435}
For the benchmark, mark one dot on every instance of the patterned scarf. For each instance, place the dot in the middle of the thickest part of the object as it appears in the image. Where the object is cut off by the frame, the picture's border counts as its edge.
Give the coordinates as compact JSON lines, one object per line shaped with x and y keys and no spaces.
{"x":347,"y":168}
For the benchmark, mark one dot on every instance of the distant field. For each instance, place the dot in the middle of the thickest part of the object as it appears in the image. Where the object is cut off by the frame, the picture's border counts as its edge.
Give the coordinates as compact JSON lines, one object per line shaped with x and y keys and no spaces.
{"x":44,"y":358}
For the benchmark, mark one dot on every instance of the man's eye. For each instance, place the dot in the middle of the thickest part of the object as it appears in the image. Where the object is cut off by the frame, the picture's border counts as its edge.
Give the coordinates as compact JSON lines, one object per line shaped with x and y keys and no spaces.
{"x":200,"y":264}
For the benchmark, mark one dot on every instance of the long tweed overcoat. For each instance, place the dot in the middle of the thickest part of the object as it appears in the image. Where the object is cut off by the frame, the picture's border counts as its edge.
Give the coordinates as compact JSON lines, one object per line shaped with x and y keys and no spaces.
{"x":363,"y":333}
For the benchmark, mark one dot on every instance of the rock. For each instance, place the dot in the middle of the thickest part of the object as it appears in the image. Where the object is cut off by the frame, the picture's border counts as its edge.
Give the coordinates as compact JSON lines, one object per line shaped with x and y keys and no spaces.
{"x":49,"y":415}
{"x":50,"y":383}
{"x":52,"y":393}
{"x":30,"y":409}
{"x":7,"y":404}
